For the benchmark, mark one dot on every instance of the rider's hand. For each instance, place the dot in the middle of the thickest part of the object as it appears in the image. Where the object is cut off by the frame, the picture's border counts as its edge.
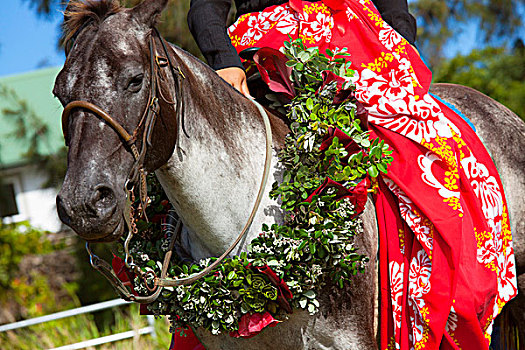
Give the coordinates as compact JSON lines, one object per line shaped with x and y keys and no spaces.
{"x":236,"y":77}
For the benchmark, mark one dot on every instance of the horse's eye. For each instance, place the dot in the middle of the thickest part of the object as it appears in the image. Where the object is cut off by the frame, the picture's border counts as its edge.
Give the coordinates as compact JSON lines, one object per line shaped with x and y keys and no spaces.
{"x":135,"y":83}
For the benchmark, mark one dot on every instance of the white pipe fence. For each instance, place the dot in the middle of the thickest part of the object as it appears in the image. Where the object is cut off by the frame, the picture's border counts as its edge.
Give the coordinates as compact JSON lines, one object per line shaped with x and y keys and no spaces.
{"x":84,"y":310}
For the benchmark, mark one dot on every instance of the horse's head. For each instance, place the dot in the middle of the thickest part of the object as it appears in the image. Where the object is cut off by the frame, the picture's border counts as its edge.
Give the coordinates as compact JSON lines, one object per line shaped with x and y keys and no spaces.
{"x":108,"y":67}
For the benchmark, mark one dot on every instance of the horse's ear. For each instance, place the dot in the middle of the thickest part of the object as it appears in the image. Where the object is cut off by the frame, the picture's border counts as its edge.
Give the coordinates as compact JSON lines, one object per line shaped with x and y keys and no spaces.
{"x":148,"y":11}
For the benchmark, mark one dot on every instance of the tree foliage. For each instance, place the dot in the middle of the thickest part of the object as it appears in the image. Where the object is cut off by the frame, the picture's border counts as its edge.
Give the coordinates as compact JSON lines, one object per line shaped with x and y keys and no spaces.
{"x":173,"y":24}
{"x":438,"y":21}
{"x":28,"y":290}
{"x":44,"y":7}
{"x":17,"y":241}
{"x":497,"y":72}
{"x":35,"y":135}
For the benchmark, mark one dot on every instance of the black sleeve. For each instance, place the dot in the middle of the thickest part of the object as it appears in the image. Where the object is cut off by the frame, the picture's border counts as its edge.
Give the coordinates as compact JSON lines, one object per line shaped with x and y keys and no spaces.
{"x":246,"y":6}
{"x":395,"y":13}
{"x":207,"y":22}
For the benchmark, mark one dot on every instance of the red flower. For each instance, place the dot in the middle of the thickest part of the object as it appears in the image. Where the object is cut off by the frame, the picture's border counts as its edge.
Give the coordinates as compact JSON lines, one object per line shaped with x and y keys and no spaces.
{"x":274,"y":72}
{"x":357,"y":194}
{"x":252,"y":324}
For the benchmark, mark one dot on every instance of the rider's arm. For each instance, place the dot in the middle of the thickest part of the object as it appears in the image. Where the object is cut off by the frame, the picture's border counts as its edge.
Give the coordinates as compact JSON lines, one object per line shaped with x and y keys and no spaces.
{"x":207,"y":22}
{"x":395,"y":13}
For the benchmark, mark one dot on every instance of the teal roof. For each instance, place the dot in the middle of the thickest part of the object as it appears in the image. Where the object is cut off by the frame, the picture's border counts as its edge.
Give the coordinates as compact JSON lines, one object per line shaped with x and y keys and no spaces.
{"x":28,"y":95}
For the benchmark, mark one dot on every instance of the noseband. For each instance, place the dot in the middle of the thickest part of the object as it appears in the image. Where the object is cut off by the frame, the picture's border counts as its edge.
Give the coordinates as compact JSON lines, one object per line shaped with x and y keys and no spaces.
{"x":138,"y":174}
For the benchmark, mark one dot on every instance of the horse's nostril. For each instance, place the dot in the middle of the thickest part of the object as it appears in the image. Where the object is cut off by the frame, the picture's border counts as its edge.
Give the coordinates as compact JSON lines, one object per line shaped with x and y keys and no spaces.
{"x":103,"y":197}
{"x":62,"y":211}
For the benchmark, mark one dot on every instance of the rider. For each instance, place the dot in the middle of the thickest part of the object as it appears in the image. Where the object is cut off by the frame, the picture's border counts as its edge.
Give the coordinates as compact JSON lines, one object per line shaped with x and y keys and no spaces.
{"x":207,"y":21}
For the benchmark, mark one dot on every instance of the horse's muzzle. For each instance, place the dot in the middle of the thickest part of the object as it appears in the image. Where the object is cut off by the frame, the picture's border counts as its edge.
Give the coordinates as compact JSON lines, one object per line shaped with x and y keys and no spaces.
{"x":94,"y":216}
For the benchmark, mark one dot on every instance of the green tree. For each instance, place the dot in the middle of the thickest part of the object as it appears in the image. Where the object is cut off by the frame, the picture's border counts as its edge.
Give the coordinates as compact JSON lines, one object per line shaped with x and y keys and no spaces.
{"x":497,"y":72}
{"x":27,"y":291}
{"x":44,"y":7}
{"x":440,"y":21}
{"x":173,"y":24}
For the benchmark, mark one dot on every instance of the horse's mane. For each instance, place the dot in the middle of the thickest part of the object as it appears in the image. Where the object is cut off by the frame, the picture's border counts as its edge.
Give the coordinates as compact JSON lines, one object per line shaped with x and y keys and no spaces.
{"x":79,"y":13}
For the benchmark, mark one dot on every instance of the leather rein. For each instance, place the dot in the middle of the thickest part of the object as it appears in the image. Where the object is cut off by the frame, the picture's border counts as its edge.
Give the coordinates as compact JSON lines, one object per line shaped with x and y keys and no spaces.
{"x":137,"y":175}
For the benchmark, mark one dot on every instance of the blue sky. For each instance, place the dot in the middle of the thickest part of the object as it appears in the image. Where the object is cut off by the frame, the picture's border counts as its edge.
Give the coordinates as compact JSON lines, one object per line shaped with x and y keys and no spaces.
{"x":27,"y":41}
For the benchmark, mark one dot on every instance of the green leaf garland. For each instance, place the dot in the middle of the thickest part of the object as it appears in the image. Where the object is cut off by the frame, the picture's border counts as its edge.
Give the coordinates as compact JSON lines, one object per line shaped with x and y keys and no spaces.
{"x":314,"y":245}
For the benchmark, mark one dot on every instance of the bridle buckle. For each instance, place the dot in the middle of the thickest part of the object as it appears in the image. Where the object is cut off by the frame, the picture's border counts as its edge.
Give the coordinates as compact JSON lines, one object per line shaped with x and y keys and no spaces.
{"x":161,"y":61}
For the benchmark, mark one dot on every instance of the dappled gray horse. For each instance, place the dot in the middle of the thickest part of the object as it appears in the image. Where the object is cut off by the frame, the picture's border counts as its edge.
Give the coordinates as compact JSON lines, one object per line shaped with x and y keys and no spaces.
{"x":212,"y":175}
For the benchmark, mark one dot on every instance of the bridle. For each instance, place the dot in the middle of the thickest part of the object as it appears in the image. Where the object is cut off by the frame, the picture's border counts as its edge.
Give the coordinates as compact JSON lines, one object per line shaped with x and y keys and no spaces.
{"x":147,"y":121}
{"x":137,"y":175}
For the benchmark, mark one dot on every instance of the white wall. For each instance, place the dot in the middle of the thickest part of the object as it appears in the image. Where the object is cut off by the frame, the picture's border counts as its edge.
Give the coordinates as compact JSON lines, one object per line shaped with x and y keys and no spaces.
{"x":35,"y":204}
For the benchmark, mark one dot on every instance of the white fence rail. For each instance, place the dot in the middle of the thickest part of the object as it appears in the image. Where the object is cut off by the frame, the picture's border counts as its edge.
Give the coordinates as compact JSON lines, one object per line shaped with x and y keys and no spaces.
{"x":84,"y":310}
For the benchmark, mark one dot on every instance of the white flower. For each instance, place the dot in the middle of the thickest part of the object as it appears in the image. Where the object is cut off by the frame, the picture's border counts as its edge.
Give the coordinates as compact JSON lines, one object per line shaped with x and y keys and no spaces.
{"x":204,"y":262}
{"x":321,"y":27}
{"x":507,"y":284}
{"x":396,"y":285}
{"x":257,"y":27}
{"x":389,"y":37}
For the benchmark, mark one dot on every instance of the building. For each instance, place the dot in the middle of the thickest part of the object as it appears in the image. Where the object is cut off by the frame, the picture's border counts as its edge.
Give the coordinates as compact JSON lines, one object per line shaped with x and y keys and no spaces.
{"x":26,"y":105}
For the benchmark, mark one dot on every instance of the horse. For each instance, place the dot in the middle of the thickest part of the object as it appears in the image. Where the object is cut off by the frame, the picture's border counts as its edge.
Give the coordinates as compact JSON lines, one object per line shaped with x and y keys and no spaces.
{"x":206,"y":147}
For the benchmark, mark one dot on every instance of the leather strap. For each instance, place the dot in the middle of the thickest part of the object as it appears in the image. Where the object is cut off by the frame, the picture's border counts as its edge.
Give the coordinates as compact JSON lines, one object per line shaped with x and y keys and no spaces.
{"x":267,"y":167}
{"x":99,"y":112}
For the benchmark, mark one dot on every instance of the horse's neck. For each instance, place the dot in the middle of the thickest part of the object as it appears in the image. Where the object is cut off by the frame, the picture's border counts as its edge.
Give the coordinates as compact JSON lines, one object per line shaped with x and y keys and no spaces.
{"x":213,"y":179}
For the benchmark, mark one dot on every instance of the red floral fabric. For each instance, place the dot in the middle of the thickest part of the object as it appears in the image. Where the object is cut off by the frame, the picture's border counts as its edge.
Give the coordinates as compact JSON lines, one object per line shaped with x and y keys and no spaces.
{"x":447,"y":263}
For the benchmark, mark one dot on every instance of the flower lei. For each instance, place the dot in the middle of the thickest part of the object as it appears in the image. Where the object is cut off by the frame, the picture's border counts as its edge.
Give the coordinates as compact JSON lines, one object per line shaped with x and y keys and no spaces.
{"x":328,"y":160}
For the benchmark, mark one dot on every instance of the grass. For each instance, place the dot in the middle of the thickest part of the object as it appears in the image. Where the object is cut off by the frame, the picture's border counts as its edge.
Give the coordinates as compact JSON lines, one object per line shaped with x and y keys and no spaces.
{"x":83,"y":327}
